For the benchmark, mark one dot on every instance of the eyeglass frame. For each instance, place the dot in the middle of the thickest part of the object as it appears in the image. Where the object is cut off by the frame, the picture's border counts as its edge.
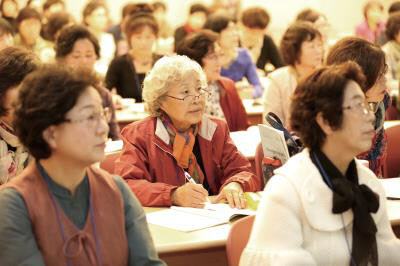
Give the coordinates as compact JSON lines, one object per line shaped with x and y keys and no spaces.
{"x":364,"y":107}
{"x":104,"y":114}
{"x":202,"y":92}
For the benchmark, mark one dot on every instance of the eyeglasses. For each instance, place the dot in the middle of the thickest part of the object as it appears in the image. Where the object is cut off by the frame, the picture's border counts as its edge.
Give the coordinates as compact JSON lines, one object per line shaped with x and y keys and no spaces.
{"x":192,"y":97}
{"x":361,"y":107}
{"x":93,"y":119}
{"x":373,"y":106}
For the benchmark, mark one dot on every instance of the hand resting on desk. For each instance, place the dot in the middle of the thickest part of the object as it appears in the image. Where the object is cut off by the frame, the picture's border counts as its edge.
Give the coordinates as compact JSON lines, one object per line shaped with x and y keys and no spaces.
{"x":233,"y":194}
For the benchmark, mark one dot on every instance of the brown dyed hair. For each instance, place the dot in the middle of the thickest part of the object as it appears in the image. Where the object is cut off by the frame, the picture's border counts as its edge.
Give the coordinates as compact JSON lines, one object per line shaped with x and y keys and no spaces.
{"x":197,"y":45}
{"x":69,"y":36}
{"x":28,"y":13}
{"x":255,"y":18}
{"x":139,"y":17}
{"x":53,"y":84}
{"x":295,"y":35}
{"x":308,"y":14}
{"x":15,"y":64}
{"x":367,"y":55}
{"x":321,"y":92}
{"x":92,"y":6}
{"x":393,"y":25}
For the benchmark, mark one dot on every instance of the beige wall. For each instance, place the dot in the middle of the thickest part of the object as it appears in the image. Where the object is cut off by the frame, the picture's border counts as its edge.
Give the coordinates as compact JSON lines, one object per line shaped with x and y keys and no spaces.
{"x":342,"y":14}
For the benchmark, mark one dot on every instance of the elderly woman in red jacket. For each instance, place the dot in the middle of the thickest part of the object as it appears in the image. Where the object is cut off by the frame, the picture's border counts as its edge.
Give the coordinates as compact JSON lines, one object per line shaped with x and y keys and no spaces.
{"x":178,"y":143}
{"x":224,"y":101}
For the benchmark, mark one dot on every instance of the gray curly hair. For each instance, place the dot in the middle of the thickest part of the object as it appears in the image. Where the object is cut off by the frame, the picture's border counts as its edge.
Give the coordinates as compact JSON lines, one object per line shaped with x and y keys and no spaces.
{"x":167,"y":72}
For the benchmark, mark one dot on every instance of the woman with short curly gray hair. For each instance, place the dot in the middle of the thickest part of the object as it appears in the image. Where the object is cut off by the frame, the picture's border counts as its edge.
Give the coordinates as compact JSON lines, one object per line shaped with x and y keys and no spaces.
{"x":178,"y":155}
{"x":167,"y":72}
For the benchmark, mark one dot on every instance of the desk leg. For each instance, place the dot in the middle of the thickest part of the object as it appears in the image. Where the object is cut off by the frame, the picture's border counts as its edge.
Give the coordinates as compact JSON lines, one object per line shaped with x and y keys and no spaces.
{"x":209,"y":257}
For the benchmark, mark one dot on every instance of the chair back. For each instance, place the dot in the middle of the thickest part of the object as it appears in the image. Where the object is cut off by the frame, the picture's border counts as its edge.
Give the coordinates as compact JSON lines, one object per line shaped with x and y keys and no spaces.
{"x":258,"y":163}
{"x":237,"y":239}
{"x":109,"y":160}
{"x":391,"y":166}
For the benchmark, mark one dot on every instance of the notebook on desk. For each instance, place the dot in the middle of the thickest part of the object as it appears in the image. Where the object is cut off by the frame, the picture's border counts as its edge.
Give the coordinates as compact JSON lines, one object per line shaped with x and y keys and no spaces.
{"x":192,"y":219}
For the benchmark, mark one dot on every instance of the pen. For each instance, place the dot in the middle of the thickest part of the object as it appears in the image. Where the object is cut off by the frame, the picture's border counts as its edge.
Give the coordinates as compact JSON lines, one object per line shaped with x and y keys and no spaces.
{"x":190,"y":179}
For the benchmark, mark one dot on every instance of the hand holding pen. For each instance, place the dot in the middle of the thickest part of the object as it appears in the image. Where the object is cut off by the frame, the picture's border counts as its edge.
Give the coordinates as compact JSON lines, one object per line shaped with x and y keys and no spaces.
{"x":190,"y":194}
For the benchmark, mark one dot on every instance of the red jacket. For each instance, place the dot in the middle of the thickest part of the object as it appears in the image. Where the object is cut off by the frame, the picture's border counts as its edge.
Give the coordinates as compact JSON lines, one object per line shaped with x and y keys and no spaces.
{"x":147,"y":164}
{"x":232,"y":106}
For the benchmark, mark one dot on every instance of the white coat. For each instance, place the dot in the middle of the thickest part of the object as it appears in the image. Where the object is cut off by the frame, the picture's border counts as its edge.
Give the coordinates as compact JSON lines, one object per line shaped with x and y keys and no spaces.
{"x":295,"y":224}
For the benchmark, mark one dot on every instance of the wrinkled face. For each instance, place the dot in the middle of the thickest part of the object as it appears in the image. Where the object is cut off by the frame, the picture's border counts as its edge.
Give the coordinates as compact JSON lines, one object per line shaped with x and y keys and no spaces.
{"x":82,"y":55}
{"x":29,"y":30}
{"x":187,"y":112}
{"x":211,"y":63}
{"x":311,"y":53}
{"x":97,"y":20}
{"x":229,"y":37}
{"x":9,"y":103}
{"x":10,"y":9}
{"x":357,"y":122}
{"x":83,"y":138}
{"x":143,"y":39}
{"x":197,"y":20}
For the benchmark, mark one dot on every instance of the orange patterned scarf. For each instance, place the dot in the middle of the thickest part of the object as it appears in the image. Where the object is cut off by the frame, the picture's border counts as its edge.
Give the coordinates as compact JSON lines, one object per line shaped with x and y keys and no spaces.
{"x":182,"y":148}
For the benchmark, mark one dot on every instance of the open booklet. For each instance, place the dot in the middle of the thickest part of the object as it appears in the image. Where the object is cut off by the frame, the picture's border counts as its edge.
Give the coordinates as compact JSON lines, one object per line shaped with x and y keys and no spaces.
{"x":192,"y":219}
{"x":273,"y":143}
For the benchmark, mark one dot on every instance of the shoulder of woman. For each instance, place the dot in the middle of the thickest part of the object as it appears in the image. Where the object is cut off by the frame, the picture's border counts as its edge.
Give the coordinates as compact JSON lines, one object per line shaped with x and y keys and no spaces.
{"x":367,"y":177}
{"x":281,"y":75}
{"x":140,"y":129}
{"x":226,"y":83}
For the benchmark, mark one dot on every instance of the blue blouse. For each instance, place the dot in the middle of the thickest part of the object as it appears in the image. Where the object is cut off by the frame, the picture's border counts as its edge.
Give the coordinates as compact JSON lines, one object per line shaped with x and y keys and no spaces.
{"x":243,"y":66}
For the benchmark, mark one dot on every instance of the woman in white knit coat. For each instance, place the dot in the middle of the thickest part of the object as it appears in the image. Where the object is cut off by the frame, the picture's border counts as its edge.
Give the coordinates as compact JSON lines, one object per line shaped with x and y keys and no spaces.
{"x":323,"y":207}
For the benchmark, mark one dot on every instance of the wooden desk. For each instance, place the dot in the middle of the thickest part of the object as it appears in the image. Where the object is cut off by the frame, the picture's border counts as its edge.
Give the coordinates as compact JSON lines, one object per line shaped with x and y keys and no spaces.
{"x":391,"y":123}
{"x":131,"y":113}
{"x":208,"y":246}
{"x":202,"y":247}
{"x":254,"y":110}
